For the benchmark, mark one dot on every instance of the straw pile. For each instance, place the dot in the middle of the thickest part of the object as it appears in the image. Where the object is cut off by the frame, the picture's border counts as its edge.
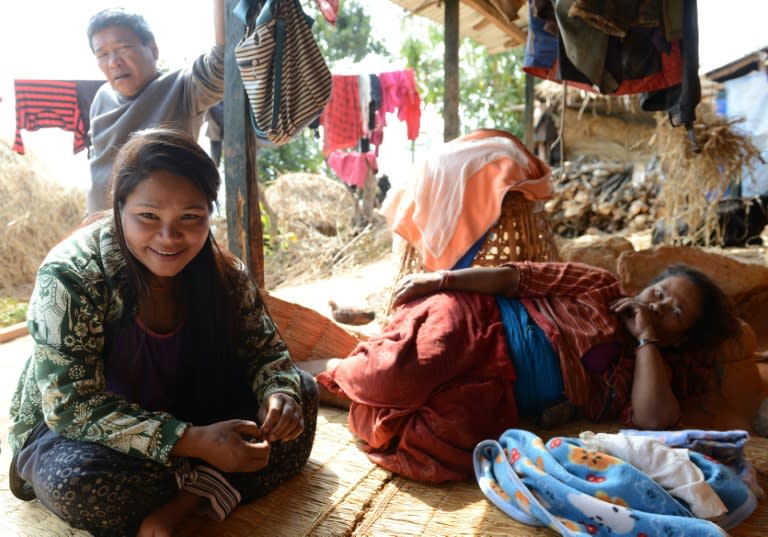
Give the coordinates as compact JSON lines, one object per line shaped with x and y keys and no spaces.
{"x":695,"y":183}
{"x":303,"y":202}
{"x":35,"y":214}
{"x":314,"y":235}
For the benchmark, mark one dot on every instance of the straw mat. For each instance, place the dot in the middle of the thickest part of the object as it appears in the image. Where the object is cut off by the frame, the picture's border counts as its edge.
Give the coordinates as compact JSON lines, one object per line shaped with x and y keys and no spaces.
{"x":408,"y":508}
{"x":340,"y":492}
{"x":327,"y":497}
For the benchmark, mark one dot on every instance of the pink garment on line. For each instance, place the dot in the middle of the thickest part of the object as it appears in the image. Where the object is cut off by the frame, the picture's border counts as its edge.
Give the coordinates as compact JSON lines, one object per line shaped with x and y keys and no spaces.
{"x":329,"y":9}
{"x":400,"y":93}
{"x":353,"y":167}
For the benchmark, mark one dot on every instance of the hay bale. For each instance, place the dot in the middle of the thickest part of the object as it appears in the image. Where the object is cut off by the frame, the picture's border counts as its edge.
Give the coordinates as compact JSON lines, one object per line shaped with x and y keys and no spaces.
{"x":312,"y":231}
{"x":696,"y":182}
{"x":303,"y":201}
{"x":35,"y":214}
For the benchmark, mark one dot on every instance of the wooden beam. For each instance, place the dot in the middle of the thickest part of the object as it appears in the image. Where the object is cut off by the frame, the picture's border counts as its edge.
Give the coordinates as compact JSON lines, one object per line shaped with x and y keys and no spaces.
{"x":425,"y":5}
{"x":490,"y":12}
{"x":484,"y":23}
{"x":451,"y":122}
{"x":244,"y":233}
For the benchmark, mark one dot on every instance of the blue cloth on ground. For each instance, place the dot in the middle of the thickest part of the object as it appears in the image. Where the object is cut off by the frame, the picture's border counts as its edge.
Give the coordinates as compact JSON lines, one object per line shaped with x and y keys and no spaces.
{"x":725,"y":446}
{"x":539,"y":381}
{"x":580,"y":492}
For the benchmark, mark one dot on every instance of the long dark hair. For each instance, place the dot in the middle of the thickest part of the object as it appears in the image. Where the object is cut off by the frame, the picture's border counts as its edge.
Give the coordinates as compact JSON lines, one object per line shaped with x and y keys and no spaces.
{"x":697,"y":366}
{"x":207,"y":284}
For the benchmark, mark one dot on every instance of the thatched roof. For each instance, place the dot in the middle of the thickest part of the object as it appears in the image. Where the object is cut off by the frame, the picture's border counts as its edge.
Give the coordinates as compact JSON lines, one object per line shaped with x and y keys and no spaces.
{"x":497,"y":24}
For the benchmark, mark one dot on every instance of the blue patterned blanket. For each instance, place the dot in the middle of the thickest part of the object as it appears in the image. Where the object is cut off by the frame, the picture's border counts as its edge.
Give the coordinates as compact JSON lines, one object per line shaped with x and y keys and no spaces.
{"x":579,"y":492}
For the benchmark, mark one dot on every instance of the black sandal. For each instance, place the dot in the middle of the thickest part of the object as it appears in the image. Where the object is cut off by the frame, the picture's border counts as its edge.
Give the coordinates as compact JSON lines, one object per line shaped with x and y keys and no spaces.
{"x":556,"y":415}
{"x":19,"y":487}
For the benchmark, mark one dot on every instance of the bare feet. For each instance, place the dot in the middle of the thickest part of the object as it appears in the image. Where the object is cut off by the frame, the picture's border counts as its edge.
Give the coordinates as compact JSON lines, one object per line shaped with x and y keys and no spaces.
{"x":162,"y":521}
{"x":315,"y":367}
{"x":324,"y":365}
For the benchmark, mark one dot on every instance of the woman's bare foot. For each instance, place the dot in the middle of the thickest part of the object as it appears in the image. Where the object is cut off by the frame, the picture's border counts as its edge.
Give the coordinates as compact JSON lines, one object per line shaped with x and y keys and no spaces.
{"x":315,"y":367}
{"x":162,"y":521}
{"x":325,"y":365}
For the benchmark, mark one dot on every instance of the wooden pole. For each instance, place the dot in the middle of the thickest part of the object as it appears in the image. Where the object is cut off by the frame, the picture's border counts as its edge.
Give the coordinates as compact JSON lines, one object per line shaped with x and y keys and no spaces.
{"x":528,"y":113}
{"x":451,"y":123}
{"x":244,"y":231}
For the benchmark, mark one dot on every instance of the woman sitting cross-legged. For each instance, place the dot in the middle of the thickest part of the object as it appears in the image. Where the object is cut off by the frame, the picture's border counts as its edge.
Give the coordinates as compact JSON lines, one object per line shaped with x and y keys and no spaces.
{"x":158,"y":383}
{"x":470,"y":351}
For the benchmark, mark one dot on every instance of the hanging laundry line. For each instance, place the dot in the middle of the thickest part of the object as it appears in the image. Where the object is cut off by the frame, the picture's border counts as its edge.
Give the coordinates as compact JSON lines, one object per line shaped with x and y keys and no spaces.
{"x":63,"y":104}
{"x":356,"y":113}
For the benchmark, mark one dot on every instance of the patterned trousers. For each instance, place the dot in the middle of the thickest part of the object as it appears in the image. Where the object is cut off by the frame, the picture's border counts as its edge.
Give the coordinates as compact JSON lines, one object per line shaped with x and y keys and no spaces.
{"x":108,"y":493}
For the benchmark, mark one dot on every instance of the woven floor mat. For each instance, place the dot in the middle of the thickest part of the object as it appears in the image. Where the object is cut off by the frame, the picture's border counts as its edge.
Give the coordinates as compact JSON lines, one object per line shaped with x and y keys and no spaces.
{"x":340,"y":492}
{"x":408,"y":508}
{"x":29,"y":519}
{"x":326,"y":498}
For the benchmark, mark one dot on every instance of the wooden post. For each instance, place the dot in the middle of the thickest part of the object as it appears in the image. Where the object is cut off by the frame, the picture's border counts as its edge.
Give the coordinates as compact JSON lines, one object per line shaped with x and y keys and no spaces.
{"x":369,"y":196}
{"x":244,"y":232}
{"x":451,"y":124}
{"x":528,"y":113}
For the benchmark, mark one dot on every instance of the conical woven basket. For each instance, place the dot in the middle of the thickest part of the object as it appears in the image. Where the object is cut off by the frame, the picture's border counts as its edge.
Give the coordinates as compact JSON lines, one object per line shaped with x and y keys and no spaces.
{"x":522,"y":233}
{"x":308,"y":334}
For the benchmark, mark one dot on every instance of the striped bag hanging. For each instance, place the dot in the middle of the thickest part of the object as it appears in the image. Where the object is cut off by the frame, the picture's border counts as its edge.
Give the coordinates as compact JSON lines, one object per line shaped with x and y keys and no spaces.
{"x":284,"y":73}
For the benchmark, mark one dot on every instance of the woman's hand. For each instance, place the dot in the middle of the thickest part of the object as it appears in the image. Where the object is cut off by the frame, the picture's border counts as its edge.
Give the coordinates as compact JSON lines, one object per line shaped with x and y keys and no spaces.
{"x":230,"y":446}
{"x":416,"y":286}
{"x":281,"y":418}
{"x":654,"y":405}
{"x":637,"y":317}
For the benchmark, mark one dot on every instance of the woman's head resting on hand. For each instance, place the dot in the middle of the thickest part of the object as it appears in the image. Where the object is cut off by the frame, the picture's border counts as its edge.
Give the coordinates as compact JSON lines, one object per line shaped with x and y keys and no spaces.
{"x":688,"y":309}
{"x":164,"y":191}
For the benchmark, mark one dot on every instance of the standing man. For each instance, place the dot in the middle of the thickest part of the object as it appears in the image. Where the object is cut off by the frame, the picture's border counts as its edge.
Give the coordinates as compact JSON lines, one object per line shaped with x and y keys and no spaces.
{"x":138,"y":95}
{"x":215,"y":131}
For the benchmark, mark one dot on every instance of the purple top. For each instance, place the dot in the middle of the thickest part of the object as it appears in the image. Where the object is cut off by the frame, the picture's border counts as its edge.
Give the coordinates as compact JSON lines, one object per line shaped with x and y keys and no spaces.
{"x":151,"y":378}
{"x":602,"y":357}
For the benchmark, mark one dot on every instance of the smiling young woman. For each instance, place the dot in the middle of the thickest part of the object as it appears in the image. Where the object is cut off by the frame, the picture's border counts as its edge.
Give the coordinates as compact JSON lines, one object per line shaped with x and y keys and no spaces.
{"x":157,"y":376}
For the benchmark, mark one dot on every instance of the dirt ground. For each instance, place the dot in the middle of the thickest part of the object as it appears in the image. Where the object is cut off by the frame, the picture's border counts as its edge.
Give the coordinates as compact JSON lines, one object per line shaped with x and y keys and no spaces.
{"x":365,"y":286}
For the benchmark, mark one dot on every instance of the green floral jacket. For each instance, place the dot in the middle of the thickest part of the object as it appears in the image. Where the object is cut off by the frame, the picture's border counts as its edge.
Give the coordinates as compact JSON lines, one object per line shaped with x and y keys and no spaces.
{"x":79,"y":290}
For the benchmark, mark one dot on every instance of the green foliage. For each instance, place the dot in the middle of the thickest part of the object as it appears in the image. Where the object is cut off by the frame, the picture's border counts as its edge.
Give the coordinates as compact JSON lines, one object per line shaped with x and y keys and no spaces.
{"x":350,"y":38}
{"x":489,"y":84}
{"x":12,"y":311}
{"x":423,"y":51}
{"x":273,"y":245}
{"x":498,"y":83}
{"x":302,"y":154}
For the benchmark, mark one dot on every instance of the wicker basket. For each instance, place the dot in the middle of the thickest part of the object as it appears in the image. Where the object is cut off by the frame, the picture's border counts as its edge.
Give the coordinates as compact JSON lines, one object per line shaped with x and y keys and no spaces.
{"x":522,"y":233}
